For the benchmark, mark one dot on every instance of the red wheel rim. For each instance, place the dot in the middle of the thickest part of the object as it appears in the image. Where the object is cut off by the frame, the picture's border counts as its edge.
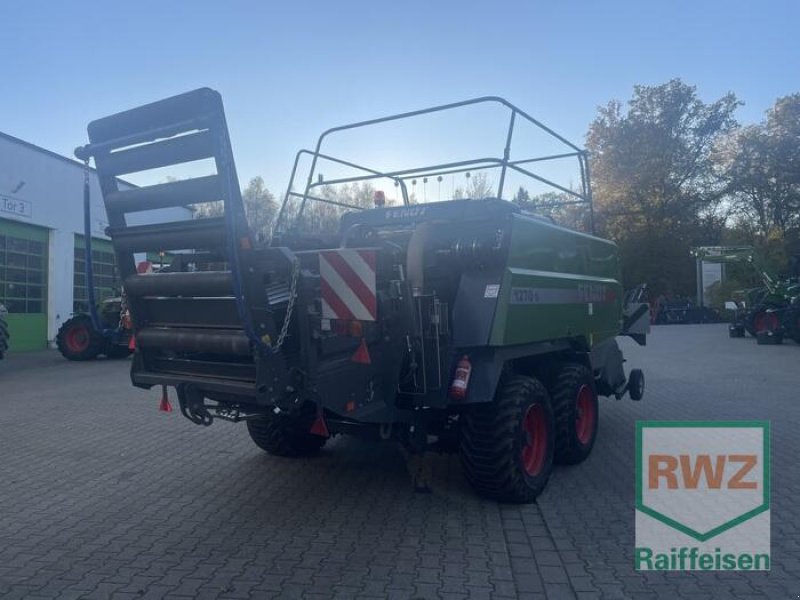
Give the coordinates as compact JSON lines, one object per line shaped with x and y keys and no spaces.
{"x":534,"y":451}
{"x":78,"y":339}
{"x":765,"y":321}
{"x":585,"y":414}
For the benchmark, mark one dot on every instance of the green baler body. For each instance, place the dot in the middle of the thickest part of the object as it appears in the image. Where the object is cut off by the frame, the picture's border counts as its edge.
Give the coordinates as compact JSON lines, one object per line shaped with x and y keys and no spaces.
{"x":557,"y":284}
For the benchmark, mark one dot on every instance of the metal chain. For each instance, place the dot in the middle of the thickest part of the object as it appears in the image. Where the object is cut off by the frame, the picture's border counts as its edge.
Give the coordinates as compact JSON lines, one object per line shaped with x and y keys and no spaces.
{"x":289,"y":307}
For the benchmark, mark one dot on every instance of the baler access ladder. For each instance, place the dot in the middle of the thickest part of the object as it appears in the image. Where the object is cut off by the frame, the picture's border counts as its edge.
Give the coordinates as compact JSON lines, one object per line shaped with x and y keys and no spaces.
{"x":213,"y":329}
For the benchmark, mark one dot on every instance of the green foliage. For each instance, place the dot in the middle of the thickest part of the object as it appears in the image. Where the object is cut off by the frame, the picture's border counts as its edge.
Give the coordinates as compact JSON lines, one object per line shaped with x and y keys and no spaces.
{"x":558,"y":206}
{"x":654,"y":185}
{"x":730,"y":289}
{"x":761,"y":165}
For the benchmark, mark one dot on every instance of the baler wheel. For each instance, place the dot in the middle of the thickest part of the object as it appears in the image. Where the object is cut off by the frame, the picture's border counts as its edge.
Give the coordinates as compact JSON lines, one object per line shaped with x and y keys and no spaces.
{"x":285,"y":435}
{"x":576,"y":412}
{"x":507,"y":445}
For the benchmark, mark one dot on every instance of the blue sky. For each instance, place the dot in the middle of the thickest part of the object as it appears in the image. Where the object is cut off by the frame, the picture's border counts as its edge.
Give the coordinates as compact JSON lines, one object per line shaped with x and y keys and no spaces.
{"x":287,"y":71}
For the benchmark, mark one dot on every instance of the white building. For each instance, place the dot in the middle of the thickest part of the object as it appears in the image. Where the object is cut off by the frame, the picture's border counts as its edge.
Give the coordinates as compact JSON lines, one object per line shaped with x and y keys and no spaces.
{"x":41,"y":240}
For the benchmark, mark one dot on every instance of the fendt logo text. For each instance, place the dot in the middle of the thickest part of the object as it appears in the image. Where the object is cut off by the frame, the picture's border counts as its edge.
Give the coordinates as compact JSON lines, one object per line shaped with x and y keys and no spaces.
{"x":702,"y":495}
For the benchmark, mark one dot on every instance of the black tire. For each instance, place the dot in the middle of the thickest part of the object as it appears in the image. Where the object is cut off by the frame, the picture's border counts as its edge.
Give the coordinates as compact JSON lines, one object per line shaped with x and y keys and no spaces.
{"x":636,"y":384}
{"x":77,"y":339}
{"x":576,"y":413}
{"x":501,"y":459}
{"x":794,"y":325}
{"x":768,"y":338}
{"x":735,"y":331}
{"x":284,"y":435}
{"x":749,"y":321}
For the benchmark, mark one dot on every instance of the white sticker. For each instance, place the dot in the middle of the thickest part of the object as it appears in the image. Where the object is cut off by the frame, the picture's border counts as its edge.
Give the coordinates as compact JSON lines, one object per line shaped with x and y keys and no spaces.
{"x":492,"y":290}
{"x":591,"y":309}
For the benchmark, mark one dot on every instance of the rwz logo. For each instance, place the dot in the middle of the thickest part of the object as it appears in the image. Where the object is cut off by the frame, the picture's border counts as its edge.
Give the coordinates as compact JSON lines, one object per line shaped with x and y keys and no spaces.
{"x":710,"y":469}
{"x":702,"y":495}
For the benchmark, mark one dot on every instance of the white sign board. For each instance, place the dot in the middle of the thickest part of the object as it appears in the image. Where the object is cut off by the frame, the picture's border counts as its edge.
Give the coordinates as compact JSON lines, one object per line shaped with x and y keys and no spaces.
{"x":712,"y":273}
{"x":15,"y":206}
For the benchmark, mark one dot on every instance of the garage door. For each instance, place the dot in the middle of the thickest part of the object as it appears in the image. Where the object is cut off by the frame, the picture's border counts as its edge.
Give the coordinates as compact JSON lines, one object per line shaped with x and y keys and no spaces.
{"x":104,"y":269}
{"x":23,"y":283}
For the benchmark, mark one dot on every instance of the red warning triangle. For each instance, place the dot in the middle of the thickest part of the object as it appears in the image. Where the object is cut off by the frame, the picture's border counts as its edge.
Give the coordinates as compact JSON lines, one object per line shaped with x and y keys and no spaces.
{"x":362,"y":354}
{"x":320,"y":428}
{"x":164,"y":405}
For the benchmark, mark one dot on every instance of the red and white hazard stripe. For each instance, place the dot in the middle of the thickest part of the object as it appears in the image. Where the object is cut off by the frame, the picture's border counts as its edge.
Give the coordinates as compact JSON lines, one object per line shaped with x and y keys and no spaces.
{"x":347,"y":279}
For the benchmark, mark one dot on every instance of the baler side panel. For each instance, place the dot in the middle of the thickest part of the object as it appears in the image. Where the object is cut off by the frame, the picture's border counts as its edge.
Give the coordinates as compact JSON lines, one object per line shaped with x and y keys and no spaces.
{"x":559,"y":284}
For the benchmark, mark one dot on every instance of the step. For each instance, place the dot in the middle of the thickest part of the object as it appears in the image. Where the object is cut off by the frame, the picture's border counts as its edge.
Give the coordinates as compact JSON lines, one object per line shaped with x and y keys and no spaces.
{"x":183,"y":339}
{"x":177,"y":235}
{"x":166,"y":195}
{"x":184,"y":112}
{"x":172,"y":151}
{"x":199,"y":283}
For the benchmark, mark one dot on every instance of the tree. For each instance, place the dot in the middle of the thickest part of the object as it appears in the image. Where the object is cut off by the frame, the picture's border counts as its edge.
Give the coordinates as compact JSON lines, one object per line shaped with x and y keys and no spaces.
{"x":761,"y":164}
{"x":522,"y":197}
{"x":655,"y":189}
{"x":320,"y":216}
{"x":259,"y":206}
{"x":562,"y":208}
{"x":478,"y":186}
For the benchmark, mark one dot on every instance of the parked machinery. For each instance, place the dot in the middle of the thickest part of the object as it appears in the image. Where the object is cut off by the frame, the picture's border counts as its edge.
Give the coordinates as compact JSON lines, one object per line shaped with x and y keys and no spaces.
{"x":466,"y":324}
{"x":767,"y":313}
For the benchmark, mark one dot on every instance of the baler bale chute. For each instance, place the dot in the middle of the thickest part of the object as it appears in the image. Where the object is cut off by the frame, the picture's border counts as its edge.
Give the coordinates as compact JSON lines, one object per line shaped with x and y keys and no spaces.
{"x":462,"y":324}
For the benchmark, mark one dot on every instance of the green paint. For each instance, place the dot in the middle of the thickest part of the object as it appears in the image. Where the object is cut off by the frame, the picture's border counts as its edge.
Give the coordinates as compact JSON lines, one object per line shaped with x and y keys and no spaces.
{"x":24,"y":231}
{"x":98,"y":244}
{"x":28,"y":332}
{"x":558,"y":284}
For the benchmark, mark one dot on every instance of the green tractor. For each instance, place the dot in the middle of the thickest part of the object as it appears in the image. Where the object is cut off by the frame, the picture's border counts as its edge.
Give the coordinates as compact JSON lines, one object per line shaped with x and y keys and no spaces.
{"x":80,"y":339}
{"x":465,"y":325}
{"x":769,"y":312}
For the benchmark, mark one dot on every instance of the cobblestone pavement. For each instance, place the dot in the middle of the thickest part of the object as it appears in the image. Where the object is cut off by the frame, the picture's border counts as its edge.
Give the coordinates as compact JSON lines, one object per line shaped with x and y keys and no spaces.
{"x":102,"y":496}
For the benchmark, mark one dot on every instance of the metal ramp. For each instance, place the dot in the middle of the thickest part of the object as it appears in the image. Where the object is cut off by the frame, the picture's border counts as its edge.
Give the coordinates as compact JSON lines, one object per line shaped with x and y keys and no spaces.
{"x":212,"y":329}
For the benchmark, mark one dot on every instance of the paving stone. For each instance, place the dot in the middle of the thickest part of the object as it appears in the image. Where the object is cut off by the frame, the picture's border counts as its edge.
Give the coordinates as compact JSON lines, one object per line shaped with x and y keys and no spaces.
{"x":112,"y":499}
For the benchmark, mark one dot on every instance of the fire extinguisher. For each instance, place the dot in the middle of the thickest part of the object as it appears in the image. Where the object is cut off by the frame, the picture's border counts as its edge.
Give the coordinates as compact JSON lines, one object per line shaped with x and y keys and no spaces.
{"x":458,"y":388}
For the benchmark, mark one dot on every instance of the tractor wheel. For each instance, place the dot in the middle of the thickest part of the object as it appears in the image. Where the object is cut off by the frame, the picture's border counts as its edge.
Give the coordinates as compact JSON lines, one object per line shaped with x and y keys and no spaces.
{"x":769,"y":338}
{"x":764,"y":321}
{"x":736,"y":331}
{"x":284,"y":435}
{"x":77,"y":339}
{"x":795,"y":326}
{"x":576,"y":411}
{"x":507,"y":445}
